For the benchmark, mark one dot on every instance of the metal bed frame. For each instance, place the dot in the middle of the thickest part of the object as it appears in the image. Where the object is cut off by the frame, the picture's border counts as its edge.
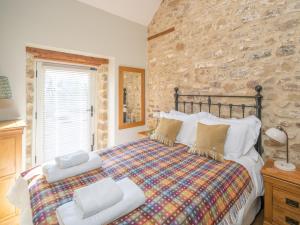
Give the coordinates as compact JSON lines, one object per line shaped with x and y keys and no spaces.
{"x":179,"y":100}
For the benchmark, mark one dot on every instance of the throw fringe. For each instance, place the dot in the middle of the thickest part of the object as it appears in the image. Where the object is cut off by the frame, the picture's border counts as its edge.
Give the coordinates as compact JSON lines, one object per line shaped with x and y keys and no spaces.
{"x":162,"y":139}
{"x":231,"y":216}
{"x":209,"y":153}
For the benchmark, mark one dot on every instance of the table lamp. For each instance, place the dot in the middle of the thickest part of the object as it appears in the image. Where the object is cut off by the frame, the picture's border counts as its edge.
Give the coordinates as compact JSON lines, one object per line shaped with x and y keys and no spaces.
{"x":279,"y":135}
{"x":7,"y":107}
{"x":5,"y":92}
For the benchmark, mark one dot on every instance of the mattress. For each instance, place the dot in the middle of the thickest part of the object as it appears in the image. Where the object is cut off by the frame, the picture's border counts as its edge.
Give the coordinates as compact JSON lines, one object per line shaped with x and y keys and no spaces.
{"x":181,"y":188}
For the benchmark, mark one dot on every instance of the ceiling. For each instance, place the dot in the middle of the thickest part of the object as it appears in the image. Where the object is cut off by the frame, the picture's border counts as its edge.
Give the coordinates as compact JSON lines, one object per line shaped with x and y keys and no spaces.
{"x":139,"y":11}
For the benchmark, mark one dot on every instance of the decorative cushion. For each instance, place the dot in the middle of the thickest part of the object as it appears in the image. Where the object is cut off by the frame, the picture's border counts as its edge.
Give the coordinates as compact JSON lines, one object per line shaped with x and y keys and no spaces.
{"x":210,"y":141}
{"x":166,"y":131}
{"x":187,"y":133}
{"x":250,"y":128}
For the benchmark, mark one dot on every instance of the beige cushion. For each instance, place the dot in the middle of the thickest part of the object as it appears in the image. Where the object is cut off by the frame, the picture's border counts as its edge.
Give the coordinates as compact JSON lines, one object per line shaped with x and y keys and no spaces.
{"x":166,"y":131}
{"x":210,"y":140}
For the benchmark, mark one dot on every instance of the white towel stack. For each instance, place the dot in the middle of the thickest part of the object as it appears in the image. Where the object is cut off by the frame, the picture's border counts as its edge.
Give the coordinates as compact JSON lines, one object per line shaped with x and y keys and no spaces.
{"x":97,"y":197}
{"x":73,"y":159}
{"x":53,"y":172}
{"x":72,"y":213}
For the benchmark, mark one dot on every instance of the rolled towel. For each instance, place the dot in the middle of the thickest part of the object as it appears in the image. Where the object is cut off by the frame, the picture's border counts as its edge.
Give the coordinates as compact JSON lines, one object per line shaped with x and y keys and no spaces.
{"x":73,"y":159}
{"x":53,"y":173}
{"x":133,"y":197}
{"x":97,"y":197}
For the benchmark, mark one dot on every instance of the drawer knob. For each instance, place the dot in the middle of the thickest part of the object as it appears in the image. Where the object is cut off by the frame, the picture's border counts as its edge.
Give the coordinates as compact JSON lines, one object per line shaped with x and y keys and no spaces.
{"x":292,"y":203}
{"x":291,"y":221}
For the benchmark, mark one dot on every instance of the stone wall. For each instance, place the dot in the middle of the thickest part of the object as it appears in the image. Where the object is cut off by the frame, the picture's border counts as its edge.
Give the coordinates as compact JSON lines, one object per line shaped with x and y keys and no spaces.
{"x":30,"y":71}
{"x":101,"y":108}
{"x":228,"y":47}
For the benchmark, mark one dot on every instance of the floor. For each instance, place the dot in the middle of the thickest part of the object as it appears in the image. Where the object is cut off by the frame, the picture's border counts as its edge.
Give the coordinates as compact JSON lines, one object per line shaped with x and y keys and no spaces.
{"x":259,"y":220}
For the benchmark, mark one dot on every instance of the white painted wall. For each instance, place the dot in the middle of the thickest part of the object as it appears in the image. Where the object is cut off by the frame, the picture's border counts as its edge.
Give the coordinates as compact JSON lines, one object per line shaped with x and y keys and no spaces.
{"x":139,"y":11}
{"x":73,"y":26}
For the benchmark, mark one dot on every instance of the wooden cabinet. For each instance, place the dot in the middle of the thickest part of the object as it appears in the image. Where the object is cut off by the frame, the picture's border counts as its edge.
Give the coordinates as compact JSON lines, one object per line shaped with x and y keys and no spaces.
{"x":282,"y":196}
{"x":10,"y":163}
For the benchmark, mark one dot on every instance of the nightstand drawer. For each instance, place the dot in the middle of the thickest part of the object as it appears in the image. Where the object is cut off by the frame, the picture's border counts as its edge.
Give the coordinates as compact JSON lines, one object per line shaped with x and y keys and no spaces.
{"x":284,"y":217}
{"x":286,"y":200}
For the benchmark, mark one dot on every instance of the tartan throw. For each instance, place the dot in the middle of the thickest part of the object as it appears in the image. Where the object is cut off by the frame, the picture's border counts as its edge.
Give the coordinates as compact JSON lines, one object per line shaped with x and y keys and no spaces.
{"x":181,"y":188}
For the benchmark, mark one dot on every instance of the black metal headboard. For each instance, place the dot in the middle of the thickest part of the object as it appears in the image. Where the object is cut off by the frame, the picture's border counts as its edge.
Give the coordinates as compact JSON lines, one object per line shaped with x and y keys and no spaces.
{"x":179,"y":100}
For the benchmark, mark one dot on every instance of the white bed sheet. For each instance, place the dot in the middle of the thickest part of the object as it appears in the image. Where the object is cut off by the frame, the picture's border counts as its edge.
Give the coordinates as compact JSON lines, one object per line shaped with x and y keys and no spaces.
{"x":251,"y":208}
{"x":254,"y":167}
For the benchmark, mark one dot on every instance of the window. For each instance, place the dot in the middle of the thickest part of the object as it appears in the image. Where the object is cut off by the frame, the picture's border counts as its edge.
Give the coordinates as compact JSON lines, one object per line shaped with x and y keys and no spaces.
{"x":64,"y":110}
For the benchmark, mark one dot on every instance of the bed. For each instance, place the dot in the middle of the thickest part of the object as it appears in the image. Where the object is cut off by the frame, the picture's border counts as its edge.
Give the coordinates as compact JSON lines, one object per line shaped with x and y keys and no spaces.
{"x":180,"y":188}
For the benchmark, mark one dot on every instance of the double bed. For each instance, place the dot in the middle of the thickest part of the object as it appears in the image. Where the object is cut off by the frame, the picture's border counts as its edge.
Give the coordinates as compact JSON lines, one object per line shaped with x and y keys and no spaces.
{"x":180,"y":187}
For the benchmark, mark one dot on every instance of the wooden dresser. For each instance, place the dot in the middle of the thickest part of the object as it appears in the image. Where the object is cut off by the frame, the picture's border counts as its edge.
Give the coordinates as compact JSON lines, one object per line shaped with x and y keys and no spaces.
{"x":10,"y":165}
{"x":282,"y":195}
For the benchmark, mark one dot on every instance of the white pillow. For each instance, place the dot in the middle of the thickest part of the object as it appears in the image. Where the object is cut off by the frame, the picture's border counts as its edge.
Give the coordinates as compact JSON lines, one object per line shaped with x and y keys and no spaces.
{"x":199,"y":114}
{"x":252,"y":154}
{"x":187,"y":133}
{"x":254,"y":126}
{"x":254,"y":123}
{"x":236,"y":139}
{"x":172,"y":116}
{"x":174,"y":112}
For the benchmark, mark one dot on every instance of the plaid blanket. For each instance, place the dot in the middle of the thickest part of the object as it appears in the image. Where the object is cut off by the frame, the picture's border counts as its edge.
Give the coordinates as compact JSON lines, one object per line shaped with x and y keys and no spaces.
{"x":181,"y":188}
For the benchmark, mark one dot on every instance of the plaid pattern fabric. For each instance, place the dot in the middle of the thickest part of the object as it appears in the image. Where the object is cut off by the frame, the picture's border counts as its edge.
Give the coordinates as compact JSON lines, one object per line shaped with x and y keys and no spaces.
{"x":180,"y":188}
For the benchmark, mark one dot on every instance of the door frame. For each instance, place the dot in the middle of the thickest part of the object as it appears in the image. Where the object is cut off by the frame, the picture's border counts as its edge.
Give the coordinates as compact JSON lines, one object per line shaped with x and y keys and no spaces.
{"x":36,"y":155}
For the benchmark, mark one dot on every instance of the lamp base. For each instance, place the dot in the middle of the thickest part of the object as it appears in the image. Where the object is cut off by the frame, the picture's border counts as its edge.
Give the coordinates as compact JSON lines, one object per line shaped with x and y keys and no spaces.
{"x":282,"y":165}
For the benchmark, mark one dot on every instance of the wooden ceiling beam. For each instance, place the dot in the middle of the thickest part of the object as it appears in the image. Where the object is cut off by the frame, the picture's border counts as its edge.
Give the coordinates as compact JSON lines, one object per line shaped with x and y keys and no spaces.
{"x":161,"y":33}
{"x":45,"y":54}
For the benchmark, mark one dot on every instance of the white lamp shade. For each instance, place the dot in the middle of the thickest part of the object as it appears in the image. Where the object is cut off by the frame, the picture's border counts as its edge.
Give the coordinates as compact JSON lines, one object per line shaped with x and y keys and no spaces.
{"x":5,"y":91}
{"x":277,"y":135}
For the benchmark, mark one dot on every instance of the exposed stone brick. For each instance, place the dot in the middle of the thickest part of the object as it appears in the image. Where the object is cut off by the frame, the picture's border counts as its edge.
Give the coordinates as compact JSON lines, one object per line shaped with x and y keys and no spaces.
{"x":292,"y":23}
{"x":285,"y":66}
{"x":180,"y":46}
{"x":286,"y":50}
{"x":263,"y":54}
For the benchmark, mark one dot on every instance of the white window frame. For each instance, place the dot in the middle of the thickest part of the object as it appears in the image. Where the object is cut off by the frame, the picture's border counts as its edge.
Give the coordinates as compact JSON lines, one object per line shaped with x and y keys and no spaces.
{"x":36,"y":155}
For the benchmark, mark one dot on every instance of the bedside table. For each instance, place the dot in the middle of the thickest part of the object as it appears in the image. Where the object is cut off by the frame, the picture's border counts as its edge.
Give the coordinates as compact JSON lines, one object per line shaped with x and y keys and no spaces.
{"x":282,"y":195}
{"x":145,"y":133}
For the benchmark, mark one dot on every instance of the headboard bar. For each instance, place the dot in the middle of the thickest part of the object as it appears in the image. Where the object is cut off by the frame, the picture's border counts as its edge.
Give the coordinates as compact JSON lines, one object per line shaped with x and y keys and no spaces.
{"x":257,"y":98}
{"x":217,"y":104}
{"x":227,"y":96}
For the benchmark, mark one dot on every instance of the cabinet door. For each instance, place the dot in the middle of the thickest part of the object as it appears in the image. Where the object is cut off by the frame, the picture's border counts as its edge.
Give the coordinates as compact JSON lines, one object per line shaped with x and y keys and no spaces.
{"x":6,"y":210}
{"x":7,"y":155}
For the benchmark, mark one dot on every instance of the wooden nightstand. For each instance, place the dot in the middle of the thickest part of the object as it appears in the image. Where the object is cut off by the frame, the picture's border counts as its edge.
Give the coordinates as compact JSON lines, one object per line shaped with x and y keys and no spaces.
{"x":145,"y":133}
{"x":282,"y":195}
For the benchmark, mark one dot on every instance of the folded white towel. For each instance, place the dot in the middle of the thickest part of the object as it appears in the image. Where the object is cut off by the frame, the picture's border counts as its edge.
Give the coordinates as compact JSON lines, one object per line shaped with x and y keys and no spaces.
{"x":53,"y":173}
{"x":73,"y":159}
{"x":97,"y":197}
{"x":69,"y":213}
